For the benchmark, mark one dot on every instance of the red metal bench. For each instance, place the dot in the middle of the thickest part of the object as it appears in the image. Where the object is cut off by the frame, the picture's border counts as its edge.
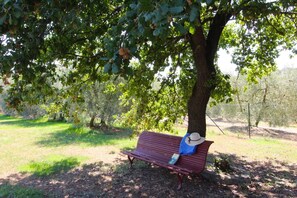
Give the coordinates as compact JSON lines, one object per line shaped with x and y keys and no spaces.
{"x":157,"y":148}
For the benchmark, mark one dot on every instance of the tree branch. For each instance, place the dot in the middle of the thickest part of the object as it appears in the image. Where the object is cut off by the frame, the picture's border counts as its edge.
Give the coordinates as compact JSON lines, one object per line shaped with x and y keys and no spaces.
{"x":216,"y":28}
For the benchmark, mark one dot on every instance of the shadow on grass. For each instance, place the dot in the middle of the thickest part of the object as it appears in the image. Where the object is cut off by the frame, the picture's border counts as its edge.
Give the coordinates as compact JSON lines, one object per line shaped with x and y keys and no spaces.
{"x":47,"y":168}
{"x":74,"y":135}
{"x":118,"y":180}
{"x":18,"y":122}
{"x":8,"y":190}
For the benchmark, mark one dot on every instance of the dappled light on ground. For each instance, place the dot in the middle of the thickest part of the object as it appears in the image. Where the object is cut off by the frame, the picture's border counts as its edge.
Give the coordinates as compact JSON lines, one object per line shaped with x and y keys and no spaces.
{"x":65,"y":161}
{"x":252,"y":179}
{"x":269,"y":178}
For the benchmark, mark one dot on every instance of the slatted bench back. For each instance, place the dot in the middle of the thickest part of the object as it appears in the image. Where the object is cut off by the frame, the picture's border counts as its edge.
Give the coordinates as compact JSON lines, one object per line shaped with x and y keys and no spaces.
{"x":162,"y":146}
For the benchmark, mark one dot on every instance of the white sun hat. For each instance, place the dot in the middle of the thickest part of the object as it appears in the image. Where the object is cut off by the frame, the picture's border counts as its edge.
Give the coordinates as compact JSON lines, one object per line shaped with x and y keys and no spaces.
{"x":194,"y":139}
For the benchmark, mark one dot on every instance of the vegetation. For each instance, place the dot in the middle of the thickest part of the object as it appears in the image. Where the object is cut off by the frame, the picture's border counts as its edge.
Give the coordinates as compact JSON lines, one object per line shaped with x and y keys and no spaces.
{"x":50,"y":166}
{"x":47,"y":43}
{"x":64,"y":160}
{"x":271,"y":100}
{"x":19,"y":192}
{"x":57,"y":147}
{"x":52,"y":147}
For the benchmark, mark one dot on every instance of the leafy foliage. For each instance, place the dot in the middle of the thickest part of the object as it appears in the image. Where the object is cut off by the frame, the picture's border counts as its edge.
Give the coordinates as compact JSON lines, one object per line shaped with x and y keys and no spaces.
{"x":78,"y":42}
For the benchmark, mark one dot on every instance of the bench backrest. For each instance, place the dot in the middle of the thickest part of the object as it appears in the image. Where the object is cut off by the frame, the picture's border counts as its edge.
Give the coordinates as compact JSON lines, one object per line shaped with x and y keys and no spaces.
{"x":162,"y":146}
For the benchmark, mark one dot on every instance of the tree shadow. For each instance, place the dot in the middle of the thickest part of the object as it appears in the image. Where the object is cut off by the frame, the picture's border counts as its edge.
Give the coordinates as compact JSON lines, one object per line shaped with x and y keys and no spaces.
{"x":105,"y":180}
{"x":74,"y":135}
{"x":143,"y":180}
{"x":256,"y":178}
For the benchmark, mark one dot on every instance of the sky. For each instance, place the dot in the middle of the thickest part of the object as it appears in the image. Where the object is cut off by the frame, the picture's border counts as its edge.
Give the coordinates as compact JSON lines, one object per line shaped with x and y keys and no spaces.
{"x":283,"y":61}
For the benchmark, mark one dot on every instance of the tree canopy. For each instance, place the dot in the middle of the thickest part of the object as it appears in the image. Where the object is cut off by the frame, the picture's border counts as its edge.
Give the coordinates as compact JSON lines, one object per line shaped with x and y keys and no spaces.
{"x":166,"y":49}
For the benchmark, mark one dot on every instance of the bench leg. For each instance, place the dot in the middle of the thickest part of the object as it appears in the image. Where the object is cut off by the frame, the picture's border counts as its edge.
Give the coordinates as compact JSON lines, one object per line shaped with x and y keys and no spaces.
{"x":130,"y":160}
{"x":180,"y":180}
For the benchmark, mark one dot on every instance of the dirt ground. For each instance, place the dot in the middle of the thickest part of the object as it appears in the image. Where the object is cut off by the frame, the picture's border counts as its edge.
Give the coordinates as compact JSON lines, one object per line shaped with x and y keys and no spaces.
{"x":117,"y":179}
{"x":114,"y":178}
{"x":288,"y":133}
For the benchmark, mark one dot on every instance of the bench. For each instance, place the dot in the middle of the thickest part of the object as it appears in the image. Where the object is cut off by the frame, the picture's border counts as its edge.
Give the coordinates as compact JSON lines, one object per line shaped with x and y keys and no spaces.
{"x":157,"y":149}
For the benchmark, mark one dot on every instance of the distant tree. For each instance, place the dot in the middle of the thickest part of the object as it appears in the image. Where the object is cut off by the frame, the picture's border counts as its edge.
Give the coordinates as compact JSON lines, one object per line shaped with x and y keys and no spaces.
{"x":281,"y":110}
{"x":90,"y":37}
{"x":271,"y":99}
{"x":101,"y":100}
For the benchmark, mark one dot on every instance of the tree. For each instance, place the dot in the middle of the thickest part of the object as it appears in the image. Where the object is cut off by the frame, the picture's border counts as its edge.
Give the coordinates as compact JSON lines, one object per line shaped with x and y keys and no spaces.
{"x":101,"y":101}
{"x":271,"y":100}
{"x":183,"y":36}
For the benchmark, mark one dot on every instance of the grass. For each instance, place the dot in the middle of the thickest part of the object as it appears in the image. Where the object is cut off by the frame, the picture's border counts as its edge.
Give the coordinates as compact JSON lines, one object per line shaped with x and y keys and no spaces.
{"x":29,"y":146}
{"x":257,"y":148}
{"x":52,"y":165}
{"x":8,"y":190}
{"x":32,"y":141}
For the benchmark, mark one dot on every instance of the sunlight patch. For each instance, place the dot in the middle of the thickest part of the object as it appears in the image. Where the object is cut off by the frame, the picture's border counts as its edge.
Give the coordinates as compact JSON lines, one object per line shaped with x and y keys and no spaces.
{"x":52,"y":165}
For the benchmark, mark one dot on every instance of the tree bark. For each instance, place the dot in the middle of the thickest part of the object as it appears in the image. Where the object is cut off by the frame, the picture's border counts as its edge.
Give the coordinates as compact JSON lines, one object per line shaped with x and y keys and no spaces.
{"x":201,"y":91}
{"x":92,"y":121}
{"x":263,"y":105}
{"x":204,"y":50}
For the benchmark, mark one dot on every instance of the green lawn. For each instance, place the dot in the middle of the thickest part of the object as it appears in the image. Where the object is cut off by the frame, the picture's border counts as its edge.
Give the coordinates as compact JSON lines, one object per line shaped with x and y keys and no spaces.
{"x":23,"y":142}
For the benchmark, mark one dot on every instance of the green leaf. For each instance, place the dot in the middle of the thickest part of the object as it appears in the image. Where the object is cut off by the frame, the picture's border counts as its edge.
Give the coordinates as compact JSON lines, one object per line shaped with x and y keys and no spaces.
{"x":17,"y":14}
{"x":157,"y":32}
{"x":176,"y":10}
{"x":180,"y":28}
{"x":2,"y":19}
{"x":193,"y":13}
{"x":141,"y":29}
{"x":107,"y":67}
{"x":147,"y":16}
{"x":208,"y":2}
{"x":115,"y":68}
{"x":192,"y":29}
{"x":164,"y":8}
{"x":133,"y":6}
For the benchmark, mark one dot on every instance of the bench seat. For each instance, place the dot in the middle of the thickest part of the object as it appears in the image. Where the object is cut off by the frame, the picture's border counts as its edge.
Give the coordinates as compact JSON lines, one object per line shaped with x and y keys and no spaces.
{"x":157,"y":148}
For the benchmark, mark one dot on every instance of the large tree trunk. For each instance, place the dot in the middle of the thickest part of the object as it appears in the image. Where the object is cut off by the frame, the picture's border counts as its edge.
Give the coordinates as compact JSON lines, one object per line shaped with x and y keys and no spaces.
{"x":201,"y":91}
{"x":204,"y":50}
